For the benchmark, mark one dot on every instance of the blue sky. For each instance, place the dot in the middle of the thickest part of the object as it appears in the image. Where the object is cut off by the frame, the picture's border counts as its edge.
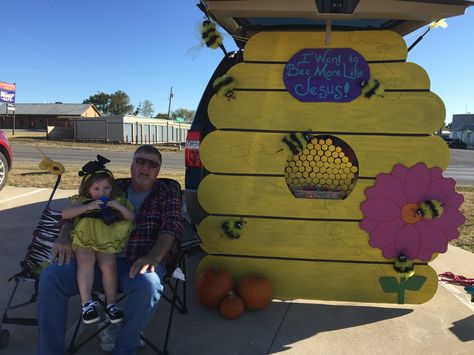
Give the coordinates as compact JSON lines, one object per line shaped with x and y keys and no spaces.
{"x":67,"y":50}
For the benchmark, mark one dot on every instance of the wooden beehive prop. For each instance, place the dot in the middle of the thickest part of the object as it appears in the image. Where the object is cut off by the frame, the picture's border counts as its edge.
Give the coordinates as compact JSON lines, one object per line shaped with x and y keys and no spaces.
{"x":313,"y":248}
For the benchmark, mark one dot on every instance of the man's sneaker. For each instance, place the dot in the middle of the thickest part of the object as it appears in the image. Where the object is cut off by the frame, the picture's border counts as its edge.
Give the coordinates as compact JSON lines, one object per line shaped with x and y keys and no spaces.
{"x":114,"y":314}
{"x":89,"y":312}
{"x":108,"y":335}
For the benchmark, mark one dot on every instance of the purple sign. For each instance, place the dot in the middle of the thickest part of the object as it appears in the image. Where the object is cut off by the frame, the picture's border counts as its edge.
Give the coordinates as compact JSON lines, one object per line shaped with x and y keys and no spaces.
{"x":325,"y":75}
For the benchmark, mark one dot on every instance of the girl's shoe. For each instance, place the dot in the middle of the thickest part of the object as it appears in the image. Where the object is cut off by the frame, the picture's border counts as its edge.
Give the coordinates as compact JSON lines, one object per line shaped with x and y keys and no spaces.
{"x":89,"y":312}
{"x":114,"y":314}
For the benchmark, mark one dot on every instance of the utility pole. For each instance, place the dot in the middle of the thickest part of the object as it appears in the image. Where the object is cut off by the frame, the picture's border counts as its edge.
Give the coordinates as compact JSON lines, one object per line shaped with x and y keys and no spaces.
{"x":169,"y":102}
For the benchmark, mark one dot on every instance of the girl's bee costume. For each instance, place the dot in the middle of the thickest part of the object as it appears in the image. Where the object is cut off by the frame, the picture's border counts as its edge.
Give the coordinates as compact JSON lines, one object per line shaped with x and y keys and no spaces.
{"x":101,"y":230}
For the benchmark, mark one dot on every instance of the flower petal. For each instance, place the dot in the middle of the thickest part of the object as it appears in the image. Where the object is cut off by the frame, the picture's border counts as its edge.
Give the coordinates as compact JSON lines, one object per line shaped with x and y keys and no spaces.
{"x":451,"y":234}
{"x":389,"y":187}
{"x":408,"y":241}
{"x":424,"y":254}
{"x":417,"y":183}
{"x":368,"y":224}
{"x":436,"y":173}
{"x":431,"y":238}
{"x":380,"y":209}
{"x":451,"y":218}
{"x":385,"y":233}
{"x":389,"y":251}
{"x":444,"y":190}
{"x":400,"y":172}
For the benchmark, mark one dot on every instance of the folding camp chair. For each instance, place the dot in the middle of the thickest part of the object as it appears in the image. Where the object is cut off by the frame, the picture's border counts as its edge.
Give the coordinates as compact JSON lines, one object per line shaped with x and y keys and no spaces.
{"x":186,"y":247}
{"x":35,"y":260}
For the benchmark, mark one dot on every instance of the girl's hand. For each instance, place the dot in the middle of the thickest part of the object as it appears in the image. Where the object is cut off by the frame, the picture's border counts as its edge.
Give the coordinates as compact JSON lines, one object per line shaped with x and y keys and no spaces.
{"x":115,"y":205}
{"x":94,"y":205}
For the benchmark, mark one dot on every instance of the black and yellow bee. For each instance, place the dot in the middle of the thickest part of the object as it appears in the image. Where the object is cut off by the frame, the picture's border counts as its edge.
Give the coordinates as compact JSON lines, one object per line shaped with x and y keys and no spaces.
{"x":372,"y":87}
{"x":233,"y":229}
{"x":430,"y":209}
{"x":404,"y":266}
{"x":225,"y":84}
{"x":209,"y":34}
{"x":295,"y":142}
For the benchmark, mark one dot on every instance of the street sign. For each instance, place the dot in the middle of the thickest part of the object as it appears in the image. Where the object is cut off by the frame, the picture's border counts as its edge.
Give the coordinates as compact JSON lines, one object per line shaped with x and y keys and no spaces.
{"x":179,"y":119}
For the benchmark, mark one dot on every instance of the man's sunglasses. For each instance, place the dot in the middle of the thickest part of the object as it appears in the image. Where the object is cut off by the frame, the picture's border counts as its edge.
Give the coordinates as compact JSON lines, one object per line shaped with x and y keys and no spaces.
{"x":151,"y":163}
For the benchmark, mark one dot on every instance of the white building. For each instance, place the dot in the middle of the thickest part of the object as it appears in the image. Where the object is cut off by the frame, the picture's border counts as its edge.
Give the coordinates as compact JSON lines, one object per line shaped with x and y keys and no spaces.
{"x":130,"y":129}
{"x":462,"y":128}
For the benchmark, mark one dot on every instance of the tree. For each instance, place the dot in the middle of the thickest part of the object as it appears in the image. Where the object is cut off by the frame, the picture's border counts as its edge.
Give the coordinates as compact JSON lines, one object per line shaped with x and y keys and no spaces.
{"x":117,"y":103}
{"x":120,"y":103}
{"x":163,"y":116}
{"x":188,"y":115}
{"x":101,"y":100}
{"x":147,"y":108}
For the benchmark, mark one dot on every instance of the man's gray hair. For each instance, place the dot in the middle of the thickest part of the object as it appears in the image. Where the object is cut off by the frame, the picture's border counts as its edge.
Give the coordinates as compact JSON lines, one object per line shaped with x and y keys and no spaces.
{"x":148,"y":148}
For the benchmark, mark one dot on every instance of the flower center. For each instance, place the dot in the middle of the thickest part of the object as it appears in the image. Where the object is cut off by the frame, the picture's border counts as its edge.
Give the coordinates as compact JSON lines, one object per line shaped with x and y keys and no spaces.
{"x":409,"y":213}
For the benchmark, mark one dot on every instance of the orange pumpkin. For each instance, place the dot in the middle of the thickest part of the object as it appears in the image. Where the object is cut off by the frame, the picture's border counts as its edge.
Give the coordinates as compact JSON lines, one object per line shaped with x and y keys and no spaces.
{"x":212,"y":286}
{"x":256,"y":291}
{"x":232,"y":307}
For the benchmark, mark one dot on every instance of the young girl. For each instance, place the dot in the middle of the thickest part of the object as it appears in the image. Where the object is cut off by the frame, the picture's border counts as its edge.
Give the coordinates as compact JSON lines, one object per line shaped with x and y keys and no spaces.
{"x":103,"y":221}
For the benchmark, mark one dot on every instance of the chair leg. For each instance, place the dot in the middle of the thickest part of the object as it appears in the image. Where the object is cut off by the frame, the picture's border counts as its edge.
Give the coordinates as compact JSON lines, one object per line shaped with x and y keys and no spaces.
{"x":170,"y":319}
{"x":151,"y":345}
{"x":184,"y":302}
{"x":72,"y":348}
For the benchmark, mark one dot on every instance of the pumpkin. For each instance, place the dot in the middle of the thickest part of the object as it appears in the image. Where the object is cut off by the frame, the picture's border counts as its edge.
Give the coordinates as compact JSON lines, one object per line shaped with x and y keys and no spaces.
{"x":212,"y":286}
{"x":256,"y":292}
{"x":232,"y":307}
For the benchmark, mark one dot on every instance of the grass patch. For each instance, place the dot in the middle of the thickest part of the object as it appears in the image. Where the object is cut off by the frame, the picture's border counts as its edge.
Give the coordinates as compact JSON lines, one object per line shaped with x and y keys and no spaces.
{"x":26,"y":175}
{"x":466,"y":238}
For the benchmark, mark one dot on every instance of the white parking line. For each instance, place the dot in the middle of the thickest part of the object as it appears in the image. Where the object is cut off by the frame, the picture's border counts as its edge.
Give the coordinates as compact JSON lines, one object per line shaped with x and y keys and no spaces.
{"x":461,"y":296}
{"x":23,"y":195}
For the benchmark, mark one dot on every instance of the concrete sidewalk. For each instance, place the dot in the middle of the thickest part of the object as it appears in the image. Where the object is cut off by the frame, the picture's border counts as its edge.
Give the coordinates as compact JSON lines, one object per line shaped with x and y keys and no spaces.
{"x":444,"y":325}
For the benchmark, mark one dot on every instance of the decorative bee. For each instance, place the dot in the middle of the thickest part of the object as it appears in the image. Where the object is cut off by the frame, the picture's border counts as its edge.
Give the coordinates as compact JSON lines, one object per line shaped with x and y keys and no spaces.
{"x":404,"y":266}
{"x":225,"y":84}
{"x":233,"y":229}
{"x":52,"y":167}
{"x":209,"y":34}
{"x":296,"y":141}
{"x":372,"y":87}
{"x":430,"y":209}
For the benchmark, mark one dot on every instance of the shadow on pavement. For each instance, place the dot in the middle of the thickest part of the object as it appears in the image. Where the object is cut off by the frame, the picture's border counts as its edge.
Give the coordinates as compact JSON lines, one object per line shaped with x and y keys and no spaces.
{"x":464,"y":329}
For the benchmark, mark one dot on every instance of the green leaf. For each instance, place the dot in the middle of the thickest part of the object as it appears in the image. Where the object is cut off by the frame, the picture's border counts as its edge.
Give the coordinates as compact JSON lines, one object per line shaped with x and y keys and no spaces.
{"x":415,"y":282}
{"x":389,"y":284}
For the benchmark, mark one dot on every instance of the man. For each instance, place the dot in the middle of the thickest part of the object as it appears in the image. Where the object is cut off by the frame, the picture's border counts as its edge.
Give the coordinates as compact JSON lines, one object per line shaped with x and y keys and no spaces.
{"x":158,"y":219}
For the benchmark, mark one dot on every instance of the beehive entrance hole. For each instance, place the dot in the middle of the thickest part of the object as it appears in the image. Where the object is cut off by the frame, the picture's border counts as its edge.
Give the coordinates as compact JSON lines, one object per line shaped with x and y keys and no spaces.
{"x":327,"y":168}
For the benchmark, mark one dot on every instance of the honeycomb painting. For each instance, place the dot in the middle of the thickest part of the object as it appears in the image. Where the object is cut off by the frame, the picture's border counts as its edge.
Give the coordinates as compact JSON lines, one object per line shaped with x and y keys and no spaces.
{"x":326,"y":168}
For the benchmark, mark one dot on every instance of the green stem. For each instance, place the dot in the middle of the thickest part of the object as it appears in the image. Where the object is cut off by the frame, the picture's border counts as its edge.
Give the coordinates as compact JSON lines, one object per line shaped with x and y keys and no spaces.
{"x":401,"y":291}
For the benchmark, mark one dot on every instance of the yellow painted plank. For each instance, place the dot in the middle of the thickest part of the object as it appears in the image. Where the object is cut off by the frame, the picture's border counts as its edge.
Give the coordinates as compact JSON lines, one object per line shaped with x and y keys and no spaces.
{"x":270,"y":196}
{"x":329,"y":281}
{"x":394,"y":76}
{"x":260,"y":152}
{"x":281,"y":46}
{"x":283,"y":238}
{"x":396,"y":112}
{"x":290,"y":239}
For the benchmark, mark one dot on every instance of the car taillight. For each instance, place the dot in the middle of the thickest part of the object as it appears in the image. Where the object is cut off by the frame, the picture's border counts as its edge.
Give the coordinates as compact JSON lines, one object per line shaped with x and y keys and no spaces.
{"x":191,"y":150}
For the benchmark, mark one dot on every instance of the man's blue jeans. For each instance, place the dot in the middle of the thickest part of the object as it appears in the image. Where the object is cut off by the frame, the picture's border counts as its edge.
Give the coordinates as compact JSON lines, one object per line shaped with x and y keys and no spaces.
{"x":58,"y":284}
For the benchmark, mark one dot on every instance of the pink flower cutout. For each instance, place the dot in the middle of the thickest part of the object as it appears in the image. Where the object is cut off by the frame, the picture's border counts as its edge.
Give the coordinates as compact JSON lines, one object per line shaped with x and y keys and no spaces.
{"x":390,"y":215}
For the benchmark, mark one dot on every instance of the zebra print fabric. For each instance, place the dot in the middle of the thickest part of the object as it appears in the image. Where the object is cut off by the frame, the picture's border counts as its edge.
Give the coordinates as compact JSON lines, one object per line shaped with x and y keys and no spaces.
{"x":39,"y":250}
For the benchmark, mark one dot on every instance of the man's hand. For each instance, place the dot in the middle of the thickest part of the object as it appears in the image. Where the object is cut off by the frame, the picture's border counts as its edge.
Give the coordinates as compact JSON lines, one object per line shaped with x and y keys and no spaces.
{"x":143,"y":264}
{"x":61,"y":251}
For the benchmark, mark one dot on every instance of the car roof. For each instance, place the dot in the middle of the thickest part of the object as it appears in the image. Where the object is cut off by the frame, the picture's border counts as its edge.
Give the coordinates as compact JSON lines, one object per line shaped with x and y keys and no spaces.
{"x":244,"y":18}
